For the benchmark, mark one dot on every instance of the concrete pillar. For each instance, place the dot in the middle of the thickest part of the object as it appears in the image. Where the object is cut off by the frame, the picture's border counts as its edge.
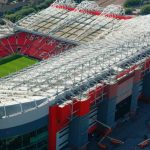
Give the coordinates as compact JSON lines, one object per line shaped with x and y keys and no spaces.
{"x":106,"y":110}
{"x":78,"y":135}
{"x":135,"y":95}
{"x":136,"y":90}
{"x":78,"y":138}
{"x":146,"y":86}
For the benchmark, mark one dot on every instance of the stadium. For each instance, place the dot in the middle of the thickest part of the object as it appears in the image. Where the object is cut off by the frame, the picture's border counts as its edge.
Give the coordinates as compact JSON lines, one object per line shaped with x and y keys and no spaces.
{"x":69,"y":70}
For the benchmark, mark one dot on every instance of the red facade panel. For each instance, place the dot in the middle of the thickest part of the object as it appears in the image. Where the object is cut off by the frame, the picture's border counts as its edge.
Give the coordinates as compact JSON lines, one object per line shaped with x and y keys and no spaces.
{"x":137,"y":75}
{"x":147,"y":64}
{"x":95,"y":94}
{"x":52,"y":128}
{"x":58,"y":119}
{"x":84,"y":108}
{"x":81,"y":107}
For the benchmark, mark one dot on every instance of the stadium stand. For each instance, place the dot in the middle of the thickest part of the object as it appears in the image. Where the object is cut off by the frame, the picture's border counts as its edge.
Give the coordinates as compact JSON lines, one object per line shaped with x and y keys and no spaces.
{"x":59,"y":103}
{"x":36,"y":46}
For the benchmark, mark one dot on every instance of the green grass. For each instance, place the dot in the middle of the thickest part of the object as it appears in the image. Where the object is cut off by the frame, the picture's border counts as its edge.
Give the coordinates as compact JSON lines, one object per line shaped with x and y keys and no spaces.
{"x":14,"y":63}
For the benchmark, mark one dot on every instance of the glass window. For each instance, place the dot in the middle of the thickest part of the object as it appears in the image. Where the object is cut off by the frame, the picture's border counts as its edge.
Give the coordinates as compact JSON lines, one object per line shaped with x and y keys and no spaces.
{"x":34,"y":140}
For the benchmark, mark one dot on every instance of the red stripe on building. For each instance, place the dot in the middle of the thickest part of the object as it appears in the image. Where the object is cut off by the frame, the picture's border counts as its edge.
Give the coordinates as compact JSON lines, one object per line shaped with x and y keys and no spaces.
{"x":126,"y":72}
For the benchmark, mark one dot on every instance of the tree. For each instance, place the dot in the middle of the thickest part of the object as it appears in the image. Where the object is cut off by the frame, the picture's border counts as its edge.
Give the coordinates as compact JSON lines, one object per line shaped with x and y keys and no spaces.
{"x":128,"y":11}
{"x":145,"y":10}
{"x":48,"y":2}
{"x":42,"y":6}
{"x":20,"y":14}
{"x":26,"y":10}
{"x":11,"y":17}
{"x":132,"y":3}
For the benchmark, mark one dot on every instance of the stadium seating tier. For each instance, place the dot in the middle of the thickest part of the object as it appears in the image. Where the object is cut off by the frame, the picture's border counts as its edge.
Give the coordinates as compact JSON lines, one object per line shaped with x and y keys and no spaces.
{"x":36,"y":46}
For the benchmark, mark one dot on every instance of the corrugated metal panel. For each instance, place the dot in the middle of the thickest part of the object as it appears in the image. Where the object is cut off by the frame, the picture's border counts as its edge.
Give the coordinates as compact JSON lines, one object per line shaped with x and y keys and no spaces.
{"x":62,"y":138}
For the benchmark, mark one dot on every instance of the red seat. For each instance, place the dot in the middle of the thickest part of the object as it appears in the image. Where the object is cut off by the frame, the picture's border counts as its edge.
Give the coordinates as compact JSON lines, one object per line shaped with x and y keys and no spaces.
{"x":21,"y":37}
{"x":5,"y":46}
{"x":36,"y":46}
{"x":12,"y":41}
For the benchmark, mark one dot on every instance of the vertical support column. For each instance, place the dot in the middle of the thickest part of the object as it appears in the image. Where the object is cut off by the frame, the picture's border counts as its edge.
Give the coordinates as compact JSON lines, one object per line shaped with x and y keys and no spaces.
{"x":136,"y":90}
{"x":146,"y":80}
{"x":52,"y":128}
{"x":78,"y":137}
{"x":146,"y":87}
{"x":106,"y":110}
{"x":58,"y":120}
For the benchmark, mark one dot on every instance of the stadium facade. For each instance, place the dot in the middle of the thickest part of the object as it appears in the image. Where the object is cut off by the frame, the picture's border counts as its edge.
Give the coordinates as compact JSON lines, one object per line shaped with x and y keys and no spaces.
{"x":95,"y":66}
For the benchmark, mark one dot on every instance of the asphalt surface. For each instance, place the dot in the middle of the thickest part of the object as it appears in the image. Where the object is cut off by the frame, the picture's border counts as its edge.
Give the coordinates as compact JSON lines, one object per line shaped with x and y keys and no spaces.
{"x":131,"y":131}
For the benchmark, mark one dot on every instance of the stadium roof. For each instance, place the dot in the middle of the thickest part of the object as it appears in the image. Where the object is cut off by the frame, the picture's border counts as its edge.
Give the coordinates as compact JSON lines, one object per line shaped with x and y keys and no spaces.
{"x":87,"y":64}
{"x":5,"y":31}
{"x":75,"y":23}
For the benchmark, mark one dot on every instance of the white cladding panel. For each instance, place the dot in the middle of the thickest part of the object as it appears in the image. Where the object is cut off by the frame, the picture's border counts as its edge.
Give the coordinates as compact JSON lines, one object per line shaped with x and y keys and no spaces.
{"x":124,"y":90}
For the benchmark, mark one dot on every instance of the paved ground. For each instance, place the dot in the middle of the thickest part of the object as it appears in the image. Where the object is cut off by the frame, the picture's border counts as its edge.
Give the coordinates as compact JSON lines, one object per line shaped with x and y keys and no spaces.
{"x":131,"y":132}
{"x":135,"y":130}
